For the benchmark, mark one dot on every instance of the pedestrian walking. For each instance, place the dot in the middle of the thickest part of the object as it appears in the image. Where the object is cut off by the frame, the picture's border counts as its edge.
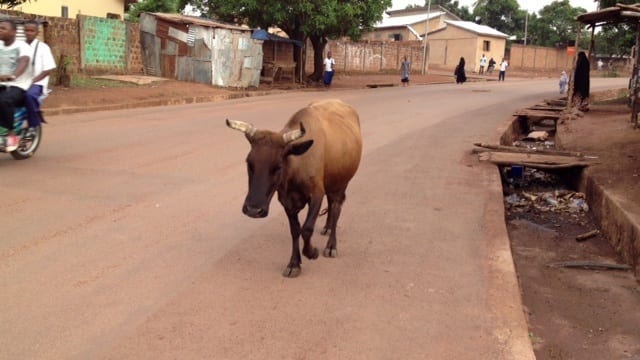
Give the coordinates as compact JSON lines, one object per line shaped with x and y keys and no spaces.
{"x":459,"y":73}
{"x":503,"y":70}
{"x":483,"y":63}
{"x":329,"y":64}
{"x":405,"y":68}
{"x":563,"y":82}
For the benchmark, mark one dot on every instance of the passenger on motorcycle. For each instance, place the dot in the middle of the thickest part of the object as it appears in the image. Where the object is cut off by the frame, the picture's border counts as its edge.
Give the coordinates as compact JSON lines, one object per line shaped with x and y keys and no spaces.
{"x":42,"y":64}
{"x":15,"y":78}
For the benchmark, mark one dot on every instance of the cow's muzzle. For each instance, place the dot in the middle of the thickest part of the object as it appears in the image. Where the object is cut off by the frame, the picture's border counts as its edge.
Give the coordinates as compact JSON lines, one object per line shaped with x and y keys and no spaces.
{"x":255,"y":212}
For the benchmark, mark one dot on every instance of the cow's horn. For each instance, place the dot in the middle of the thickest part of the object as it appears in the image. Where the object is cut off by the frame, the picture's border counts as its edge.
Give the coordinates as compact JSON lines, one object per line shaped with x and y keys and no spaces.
{"x":293,"y":135}
{"x":242,"y":126}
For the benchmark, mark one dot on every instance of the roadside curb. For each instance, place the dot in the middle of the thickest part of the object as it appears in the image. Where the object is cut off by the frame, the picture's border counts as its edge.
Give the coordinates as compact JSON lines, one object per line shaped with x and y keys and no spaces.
{"x":620,"y":227}
{"x":159,"y":102}
{"x":194,"y":100}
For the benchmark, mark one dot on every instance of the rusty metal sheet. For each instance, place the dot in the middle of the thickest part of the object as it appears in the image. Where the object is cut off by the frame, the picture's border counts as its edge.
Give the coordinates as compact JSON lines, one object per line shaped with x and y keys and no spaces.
{"x":168,"y":66}
{"x":150,"y":46}
{"x":194,"y":70}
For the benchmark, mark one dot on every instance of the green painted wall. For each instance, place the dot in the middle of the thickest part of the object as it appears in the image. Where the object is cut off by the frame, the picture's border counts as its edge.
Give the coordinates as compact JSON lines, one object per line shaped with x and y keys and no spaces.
{"x":105,"y":43}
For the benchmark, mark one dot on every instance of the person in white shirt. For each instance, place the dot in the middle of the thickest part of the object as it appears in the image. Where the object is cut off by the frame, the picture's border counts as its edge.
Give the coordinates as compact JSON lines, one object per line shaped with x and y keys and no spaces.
{"x":503,"y":69}
{"x":329,"y":63}
{"x":42,"y":64}
{"x":483,"y":63}
{"x":15,"y":78}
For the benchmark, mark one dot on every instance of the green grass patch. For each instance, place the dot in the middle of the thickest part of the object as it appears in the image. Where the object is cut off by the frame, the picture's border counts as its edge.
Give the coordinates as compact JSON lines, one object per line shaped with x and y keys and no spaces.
{"x":87,"y":82}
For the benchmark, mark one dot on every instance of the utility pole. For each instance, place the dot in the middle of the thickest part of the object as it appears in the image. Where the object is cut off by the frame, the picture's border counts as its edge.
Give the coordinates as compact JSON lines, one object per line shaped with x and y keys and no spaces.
{"x":424,"y":40}
{"x":526,"y":24}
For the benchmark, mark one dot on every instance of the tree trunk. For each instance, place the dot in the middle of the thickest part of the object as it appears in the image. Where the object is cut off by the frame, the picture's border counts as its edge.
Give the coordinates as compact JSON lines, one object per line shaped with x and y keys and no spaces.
{"x":319,"y":43}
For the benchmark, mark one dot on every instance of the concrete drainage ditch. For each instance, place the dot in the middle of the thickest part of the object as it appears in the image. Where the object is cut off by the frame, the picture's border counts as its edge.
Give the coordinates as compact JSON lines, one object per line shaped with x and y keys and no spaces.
{"x":580,"y":295}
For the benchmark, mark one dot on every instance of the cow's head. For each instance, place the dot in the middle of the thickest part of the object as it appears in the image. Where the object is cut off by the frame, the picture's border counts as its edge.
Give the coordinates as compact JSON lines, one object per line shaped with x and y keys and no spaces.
{"x":266,"y":163}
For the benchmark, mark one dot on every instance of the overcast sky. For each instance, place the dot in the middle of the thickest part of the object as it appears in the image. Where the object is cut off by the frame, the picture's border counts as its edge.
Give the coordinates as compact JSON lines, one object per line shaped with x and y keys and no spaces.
{"x":529,"y":5}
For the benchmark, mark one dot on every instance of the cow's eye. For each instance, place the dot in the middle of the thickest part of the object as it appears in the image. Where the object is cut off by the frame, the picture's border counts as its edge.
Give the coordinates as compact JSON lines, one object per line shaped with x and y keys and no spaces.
{"x":275,"y":169}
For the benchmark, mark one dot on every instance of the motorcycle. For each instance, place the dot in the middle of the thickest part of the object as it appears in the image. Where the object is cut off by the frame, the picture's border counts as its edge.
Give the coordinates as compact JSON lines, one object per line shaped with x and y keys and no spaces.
{"x":28,"y":143}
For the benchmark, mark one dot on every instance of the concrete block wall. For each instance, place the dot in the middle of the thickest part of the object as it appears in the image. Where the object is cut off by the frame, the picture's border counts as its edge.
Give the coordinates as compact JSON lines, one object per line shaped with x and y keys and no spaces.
{"x":103,"y":44}
{"x":539,"y":58}
{"x":369,"y":56}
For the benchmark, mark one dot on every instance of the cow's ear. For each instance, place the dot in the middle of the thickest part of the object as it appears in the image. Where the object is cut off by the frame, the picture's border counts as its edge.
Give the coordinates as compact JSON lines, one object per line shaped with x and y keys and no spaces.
{"x":298,"y":148}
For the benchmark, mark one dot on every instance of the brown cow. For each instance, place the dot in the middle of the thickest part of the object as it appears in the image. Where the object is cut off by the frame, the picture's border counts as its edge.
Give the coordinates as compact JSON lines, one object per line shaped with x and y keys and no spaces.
{"x":321,"y":163}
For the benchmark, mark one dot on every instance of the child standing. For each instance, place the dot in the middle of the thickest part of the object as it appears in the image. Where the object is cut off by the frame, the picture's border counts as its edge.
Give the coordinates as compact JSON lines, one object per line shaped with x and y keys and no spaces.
{"x":563,"y":82}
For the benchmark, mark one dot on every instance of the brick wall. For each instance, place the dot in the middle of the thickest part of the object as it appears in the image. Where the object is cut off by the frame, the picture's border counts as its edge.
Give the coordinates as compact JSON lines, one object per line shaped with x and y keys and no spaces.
{"x":61,"y":35}
{"x":135,"y":63}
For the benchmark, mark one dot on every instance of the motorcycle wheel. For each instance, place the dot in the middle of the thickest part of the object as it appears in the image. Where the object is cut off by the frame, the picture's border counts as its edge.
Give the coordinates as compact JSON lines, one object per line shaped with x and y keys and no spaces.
{"x":28,"y":146}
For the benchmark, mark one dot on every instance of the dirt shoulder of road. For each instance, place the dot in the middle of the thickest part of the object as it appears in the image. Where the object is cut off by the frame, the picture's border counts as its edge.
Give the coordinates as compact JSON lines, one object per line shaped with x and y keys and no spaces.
{"x":137,"y":91}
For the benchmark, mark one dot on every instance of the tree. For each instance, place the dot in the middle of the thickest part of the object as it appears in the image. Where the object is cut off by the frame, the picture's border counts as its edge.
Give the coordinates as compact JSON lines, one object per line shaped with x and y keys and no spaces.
{"x":603,"y":4}
{"x":165,"y":6}
{"x":462,"y":12}
{"x":555,"y":24}
{"x":12,"y":3}
{"x":316,"y":20}
{"x":502,"y":15}
{"x":615,"y":39}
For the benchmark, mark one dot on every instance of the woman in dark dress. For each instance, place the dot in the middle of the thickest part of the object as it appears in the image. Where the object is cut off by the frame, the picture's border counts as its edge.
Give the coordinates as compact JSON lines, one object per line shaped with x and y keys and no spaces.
{"x":459,"y":72}
{"x":581,"y":83}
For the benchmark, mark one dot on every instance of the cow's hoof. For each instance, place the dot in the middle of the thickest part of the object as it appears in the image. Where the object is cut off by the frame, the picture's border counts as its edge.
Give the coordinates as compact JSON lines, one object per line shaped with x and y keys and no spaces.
{"x":313,"y":254}
{"x":291,"y":272}
{"x":325,"y":231}
{"x":330,"y":253}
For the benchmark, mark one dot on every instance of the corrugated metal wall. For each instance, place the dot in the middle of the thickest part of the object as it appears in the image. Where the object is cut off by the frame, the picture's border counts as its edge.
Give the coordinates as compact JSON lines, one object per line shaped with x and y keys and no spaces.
{"x":217,"y":56}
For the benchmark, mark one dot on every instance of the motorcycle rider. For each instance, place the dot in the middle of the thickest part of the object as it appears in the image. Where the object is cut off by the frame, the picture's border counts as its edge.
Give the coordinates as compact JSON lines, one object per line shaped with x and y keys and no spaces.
{"x":42,"y":64}
{"x":14,"y":77}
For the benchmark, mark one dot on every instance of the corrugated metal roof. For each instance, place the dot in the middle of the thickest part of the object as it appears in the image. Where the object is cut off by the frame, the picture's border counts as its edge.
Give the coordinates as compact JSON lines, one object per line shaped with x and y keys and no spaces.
{"x":395,"y":21}
{"x":183,"y":19}
{"x":477,"y":28}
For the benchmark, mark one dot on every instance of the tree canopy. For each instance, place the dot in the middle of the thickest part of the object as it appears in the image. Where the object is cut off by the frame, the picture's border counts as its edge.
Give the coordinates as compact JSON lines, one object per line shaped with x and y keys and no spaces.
{"x":12,"y":3}
{"x":317,"y":20}
{"x":555,"y":25}
{"x":462,"y":12}
{"x":166,"y":6}
{"x":502,"y":15}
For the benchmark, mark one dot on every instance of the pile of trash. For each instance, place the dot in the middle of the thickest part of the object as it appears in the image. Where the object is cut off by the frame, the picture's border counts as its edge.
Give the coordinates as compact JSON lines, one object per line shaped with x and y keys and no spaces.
{"x":535,"y":145}
{"x":519,"y":176}
{"x":549,"y":201}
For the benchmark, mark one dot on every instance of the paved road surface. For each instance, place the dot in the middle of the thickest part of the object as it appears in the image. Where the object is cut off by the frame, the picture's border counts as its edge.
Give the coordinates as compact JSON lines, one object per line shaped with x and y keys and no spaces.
{"x":123,"y":237}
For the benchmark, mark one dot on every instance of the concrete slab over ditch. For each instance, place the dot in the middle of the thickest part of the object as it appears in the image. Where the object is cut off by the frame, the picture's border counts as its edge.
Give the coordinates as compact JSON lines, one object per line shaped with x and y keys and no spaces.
{"x":136,"y":79}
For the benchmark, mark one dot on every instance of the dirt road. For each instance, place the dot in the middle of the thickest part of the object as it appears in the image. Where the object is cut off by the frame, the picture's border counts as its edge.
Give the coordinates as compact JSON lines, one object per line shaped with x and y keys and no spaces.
{"x":123,"y":237}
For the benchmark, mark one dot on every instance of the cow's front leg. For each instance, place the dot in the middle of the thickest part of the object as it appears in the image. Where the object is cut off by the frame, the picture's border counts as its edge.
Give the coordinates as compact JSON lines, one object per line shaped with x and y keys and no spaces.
{"x":293,"y":269}
{"x":315,"y":203}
